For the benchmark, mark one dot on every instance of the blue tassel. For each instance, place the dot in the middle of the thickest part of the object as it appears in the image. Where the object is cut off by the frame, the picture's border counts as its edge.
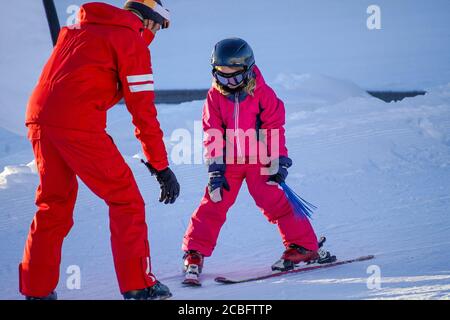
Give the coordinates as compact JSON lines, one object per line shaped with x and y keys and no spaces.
{"x":302,"y":208}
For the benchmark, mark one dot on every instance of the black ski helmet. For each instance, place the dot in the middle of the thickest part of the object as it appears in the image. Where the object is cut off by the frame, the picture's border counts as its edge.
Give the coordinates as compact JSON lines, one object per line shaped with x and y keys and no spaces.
{"x":149,"y":9}
{"x":232,"y":52}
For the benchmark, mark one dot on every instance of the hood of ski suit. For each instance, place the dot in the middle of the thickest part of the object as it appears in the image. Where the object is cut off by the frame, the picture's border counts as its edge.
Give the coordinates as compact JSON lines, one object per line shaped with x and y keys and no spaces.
{"x":251,"y":123}
{"x":102,"y":13}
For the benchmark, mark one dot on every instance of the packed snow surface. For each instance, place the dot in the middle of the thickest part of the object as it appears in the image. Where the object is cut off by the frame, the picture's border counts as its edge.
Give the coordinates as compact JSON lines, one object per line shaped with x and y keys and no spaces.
{"x":379,"y":173}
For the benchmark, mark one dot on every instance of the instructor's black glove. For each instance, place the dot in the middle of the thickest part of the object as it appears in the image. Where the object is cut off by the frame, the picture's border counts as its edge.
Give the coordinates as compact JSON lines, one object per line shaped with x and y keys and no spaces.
{"x":170,"y":188}
{"x":217,"y":181}
{"x":281,"y":165}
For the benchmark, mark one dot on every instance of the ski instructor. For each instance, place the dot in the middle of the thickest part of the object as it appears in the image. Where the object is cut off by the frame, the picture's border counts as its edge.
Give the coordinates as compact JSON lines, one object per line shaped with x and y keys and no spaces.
{"x":94,"y":64}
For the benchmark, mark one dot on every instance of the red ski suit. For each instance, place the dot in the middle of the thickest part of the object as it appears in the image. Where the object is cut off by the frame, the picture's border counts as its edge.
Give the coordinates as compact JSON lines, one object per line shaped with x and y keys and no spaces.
{"x":93,"y":65}
{"x":262,"y":110}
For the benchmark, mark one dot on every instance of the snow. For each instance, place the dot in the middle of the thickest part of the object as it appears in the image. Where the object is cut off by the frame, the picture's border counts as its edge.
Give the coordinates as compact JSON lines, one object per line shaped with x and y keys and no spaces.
{"x":17,"y":175}
{"x":25,"y":46}
{"x":379,"y":172}
{"x":315,"y":88}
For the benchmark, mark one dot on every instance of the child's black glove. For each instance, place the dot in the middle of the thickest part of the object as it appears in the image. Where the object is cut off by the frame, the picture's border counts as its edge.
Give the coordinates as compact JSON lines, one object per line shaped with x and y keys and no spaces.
{"x":280,"y":167}
{"x":170,"y":188}
{"x":217,"y":181}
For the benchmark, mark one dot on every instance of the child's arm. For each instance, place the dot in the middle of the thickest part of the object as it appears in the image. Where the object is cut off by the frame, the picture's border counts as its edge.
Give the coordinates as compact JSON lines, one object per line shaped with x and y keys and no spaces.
{"x":213,"y":129}
{"x":215,"y":148}
{"x":273,"y":116}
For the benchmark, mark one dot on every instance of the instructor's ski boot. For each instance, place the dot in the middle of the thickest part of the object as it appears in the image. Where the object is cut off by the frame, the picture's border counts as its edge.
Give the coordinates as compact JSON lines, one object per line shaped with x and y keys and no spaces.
{"x":51,"y":296}
{"x":158,"y":291}
{"x":192,"y":267}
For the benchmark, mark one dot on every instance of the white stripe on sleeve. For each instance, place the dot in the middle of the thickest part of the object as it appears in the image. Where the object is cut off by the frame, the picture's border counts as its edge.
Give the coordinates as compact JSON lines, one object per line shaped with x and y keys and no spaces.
{"x":140,"y":78}
{"x":142,"y":87}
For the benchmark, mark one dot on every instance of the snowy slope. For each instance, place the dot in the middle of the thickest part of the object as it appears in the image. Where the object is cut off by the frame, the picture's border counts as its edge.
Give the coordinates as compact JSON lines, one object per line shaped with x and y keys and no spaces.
{"x":378,"y":172}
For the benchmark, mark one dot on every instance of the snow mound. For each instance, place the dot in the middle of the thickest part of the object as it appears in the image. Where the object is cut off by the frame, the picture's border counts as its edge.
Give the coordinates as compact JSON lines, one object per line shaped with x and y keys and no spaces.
{"x":18,"y":174}
{"x":442,"y":90}
{"x":315,"y":89}
{"x":430,"y":113}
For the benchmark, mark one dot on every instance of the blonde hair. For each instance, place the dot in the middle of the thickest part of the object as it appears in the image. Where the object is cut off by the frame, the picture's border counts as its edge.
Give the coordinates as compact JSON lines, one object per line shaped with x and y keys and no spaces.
{"x":251,"y":86}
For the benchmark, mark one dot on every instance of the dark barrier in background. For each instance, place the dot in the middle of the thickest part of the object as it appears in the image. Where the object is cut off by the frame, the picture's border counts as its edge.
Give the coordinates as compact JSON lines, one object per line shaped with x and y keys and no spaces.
{"x":179,"y":96}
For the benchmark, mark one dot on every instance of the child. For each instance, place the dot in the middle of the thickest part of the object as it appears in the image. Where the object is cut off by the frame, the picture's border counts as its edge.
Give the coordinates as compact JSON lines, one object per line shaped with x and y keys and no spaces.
{"x":240,"y":101}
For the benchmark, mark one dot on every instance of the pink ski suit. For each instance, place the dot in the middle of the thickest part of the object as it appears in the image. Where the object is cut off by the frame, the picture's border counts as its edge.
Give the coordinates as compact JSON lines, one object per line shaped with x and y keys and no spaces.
{"x":262,"y":110}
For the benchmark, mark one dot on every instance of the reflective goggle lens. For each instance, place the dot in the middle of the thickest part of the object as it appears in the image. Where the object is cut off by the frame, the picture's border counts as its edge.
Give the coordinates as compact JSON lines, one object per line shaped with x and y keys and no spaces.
{"x":232,"y":79}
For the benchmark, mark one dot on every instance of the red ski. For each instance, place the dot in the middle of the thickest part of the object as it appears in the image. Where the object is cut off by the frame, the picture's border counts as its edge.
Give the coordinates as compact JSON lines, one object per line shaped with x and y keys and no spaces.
{"x":225,"y":280}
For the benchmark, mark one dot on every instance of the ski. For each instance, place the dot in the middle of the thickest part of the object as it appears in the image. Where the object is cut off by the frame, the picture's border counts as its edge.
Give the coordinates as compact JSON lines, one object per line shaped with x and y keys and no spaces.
{"x":225,"y":280}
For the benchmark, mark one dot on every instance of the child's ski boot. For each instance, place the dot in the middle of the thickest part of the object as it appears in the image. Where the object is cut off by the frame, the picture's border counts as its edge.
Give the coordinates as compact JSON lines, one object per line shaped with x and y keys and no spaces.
{"x":192,"y":266}
{"x":295,"y":254}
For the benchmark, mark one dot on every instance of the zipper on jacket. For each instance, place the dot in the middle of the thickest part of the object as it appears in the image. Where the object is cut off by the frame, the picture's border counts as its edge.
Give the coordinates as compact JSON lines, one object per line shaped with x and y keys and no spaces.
{"x":236,"y":123}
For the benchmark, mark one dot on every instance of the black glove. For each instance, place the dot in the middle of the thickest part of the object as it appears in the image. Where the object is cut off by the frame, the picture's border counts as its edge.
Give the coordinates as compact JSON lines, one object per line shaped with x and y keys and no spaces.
{"x":283,"y":163}
{"x":217,"y":181}
{"x":170,"y":188}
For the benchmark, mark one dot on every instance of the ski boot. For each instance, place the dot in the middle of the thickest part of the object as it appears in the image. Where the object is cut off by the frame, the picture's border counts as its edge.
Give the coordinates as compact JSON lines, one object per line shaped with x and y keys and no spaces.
{"x":295,"y":254}
{"x":51,"y":296}
{"x":192,"y":267}
{"x":158,"y":291}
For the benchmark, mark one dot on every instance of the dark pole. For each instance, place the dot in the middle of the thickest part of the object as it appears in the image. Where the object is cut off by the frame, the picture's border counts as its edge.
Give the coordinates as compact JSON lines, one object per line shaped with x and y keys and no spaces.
{"x":52,"y":18}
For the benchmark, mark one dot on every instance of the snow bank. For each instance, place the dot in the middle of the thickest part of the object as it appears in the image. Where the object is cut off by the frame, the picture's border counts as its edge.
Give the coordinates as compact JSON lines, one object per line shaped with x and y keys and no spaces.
{"x":315,"y":89}
{"x":17,"y":175}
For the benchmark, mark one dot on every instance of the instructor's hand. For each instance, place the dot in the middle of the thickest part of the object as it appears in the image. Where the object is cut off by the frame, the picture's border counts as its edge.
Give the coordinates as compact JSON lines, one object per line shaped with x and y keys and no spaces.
{"x":170,"y":188}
